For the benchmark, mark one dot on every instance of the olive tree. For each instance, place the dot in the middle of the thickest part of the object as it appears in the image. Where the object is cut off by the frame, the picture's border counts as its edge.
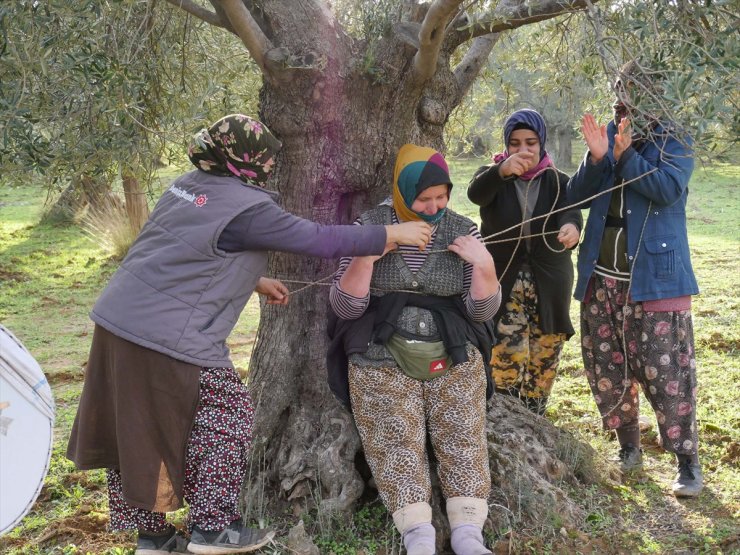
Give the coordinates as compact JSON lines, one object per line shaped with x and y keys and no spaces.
{"x":344,"y":85}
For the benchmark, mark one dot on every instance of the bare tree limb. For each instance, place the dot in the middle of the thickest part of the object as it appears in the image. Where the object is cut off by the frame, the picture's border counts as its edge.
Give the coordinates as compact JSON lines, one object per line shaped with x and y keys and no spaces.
{"x":200,"y":12}
{"x":248,"y":30}
{"x":511,"y":14}
{"x":219,"y":9}
{"x":431,"y":35}
{"x":475,"y":58}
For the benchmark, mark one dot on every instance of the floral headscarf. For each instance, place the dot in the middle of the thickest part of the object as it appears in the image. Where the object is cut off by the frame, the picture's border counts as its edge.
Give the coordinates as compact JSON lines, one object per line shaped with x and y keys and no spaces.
{"x":236,"y":145}
{"x":417,"y":168}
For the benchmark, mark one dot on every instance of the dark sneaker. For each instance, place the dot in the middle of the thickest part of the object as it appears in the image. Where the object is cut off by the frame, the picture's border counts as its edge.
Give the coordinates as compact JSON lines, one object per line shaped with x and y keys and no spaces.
{"x":176,"y":542}
{"x":235,"y":538}
{"x":629,"y":458}
{"x":689,"y":481}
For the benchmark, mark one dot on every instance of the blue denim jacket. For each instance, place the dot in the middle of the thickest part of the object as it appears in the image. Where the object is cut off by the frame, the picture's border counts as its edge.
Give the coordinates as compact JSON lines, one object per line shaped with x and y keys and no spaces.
{"x":655,"y":214}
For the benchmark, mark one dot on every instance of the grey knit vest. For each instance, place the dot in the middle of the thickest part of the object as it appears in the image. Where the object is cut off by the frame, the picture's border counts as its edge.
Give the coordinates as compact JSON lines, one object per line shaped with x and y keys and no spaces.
{"x":175,"y":291}
{"x":440,"y":275}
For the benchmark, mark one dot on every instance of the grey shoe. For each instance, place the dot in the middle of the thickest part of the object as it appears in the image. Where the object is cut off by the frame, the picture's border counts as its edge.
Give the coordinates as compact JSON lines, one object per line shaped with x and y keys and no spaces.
{"x":689,"y":481}
{"x":629,"y":458}
{"x":162,"y":545}
{"x":235,"y":538}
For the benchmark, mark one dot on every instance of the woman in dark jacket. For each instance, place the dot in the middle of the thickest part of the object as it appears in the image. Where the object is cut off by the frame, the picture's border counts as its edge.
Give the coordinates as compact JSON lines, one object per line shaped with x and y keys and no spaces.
{"x":532,"y":259}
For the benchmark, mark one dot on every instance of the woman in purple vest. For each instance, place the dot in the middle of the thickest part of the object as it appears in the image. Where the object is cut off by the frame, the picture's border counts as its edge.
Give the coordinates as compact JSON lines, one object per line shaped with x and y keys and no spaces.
{"x":162,"y":408}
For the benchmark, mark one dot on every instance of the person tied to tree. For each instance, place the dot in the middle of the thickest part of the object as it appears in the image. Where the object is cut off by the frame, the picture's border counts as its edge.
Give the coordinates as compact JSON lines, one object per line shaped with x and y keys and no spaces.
{"x":162,"y":408}
{"x":635,"y":278}
{"x":533,"y":263}
{"x":409,"y":350}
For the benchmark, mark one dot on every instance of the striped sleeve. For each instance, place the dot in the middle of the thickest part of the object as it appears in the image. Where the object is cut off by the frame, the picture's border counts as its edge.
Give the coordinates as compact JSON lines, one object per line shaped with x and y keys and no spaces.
{"x":482,"y":309}
{"x":344,"y":305}
{"x":349,"y":307}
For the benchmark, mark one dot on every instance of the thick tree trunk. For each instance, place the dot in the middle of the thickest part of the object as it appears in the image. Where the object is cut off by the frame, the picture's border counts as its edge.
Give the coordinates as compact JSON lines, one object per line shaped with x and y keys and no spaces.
{"x":341,"y":132}
{"x":137,"y":208}
{"x":66,"y":205}
{"x":340,"y":137}
{"x":564,"y":153}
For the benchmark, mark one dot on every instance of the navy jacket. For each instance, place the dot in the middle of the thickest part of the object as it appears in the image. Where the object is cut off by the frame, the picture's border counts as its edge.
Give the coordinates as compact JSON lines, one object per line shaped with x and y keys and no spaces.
{"x":655,"y":214}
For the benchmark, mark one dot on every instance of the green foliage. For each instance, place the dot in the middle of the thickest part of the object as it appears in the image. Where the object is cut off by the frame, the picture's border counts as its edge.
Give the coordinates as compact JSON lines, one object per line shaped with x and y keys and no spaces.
{"x":100,"y":89}
{"x":368,"y":20}
{"x":548,"y":66}
{"x":370,"y":529}
{"x":687,"y":54}
{"x":85,"y":86}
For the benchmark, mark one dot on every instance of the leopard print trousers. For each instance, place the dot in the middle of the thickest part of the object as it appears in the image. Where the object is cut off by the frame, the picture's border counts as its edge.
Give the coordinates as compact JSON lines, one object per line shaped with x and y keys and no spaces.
{"x":394,"y":413}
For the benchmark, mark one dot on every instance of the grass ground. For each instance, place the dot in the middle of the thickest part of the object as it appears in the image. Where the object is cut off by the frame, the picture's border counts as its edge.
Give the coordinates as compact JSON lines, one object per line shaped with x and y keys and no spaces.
{"x":50,"y":277}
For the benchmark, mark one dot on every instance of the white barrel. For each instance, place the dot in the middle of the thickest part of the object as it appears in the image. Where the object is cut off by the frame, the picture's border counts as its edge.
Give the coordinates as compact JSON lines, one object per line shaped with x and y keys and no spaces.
{"x":26,"y":430}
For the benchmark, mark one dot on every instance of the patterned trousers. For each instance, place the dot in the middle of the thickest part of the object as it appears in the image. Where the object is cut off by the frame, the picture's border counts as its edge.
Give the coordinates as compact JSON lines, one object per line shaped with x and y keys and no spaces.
{"x":525,"y":360}
{"x":659,"y":356}
{"x":394,"y":413}
{"x":215,"y":463}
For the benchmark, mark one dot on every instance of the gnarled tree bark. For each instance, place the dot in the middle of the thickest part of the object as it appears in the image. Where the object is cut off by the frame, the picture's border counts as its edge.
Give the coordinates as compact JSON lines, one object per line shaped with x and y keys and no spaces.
{"x":341,"y":127}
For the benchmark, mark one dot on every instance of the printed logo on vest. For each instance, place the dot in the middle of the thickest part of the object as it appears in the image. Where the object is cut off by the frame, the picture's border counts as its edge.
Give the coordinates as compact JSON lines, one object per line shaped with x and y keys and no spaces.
{"x":437,"y":365}
{"x":198,"y":201}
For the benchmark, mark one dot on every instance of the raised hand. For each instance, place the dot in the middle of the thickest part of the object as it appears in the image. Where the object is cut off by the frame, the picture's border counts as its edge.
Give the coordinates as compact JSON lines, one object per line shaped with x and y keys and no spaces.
{"x":516,"y":164}
{"x":623,"y":138}
{"x":595,"y":137}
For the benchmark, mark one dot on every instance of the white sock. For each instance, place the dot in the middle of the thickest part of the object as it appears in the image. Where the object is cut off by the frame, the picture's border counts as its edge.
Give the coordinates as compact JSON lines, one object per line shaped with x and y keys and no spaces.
{"x":420,"y":539}
{"x":467,"y":539}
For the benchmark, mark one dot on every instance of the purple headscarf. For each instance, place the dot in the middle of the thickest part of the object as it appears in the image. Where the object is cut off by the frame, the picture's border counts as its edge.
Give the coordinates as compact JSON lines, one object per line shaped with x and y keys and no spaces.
{"x":529,"y":119}
{"x":526,"y":119}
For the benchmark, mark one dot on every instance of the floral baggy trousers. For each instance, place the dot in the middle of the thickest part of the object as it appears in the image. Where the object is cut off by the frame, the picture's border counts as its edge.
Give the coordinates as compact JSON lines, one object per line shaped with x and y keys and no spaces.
{"x":624,"y":346}
{"x":215,"y":463}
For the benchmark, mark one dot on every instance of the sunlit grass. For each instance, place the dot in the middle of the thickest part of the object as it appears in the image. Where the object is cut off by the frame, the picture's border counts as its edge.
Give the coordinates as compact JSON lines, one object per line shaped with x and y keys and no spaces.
{"x":50,"y":277}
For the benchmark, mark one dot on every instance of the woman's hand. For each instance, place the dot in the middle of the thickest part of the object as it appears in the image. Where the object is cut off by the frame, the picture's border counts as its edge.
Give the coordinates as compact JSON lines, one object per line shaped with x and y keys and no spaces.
{"x":408,"y":233}
{"x":516,"y":164}
{"x":595,"y":137}
{"x":273,"y":289}
{"x":569,"y":236}
{"x":484,"y":281}
{"x":471,"y":250}
{"x":623,"y":138}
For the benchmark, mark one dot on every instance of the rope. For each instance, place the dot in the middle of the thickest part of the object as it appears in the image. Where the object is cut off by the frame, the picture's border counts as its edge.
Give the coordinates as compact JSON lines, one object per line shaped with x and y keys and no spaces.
{"x":487,"y":239}
{"x":624,"y":318}
{"x":546,"y":216}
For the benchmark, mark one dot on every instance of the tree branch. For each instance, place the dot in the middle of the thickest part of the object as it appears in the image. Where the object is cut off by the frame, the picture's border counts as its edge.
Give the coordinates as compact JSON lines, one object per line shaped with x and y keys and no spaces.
{"x":248,"y":30}
{"x":511,"y":14}
{"x":475,"y":58}
{"x":431,"y":35}
{"x":200,"y":12}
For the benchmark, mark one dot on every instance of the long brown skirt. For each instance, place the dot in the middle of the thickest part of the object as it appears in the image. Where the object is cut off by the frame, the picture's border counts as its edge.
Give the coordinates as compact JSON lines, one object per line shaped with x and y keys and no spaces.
{"x":135,"y":415}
